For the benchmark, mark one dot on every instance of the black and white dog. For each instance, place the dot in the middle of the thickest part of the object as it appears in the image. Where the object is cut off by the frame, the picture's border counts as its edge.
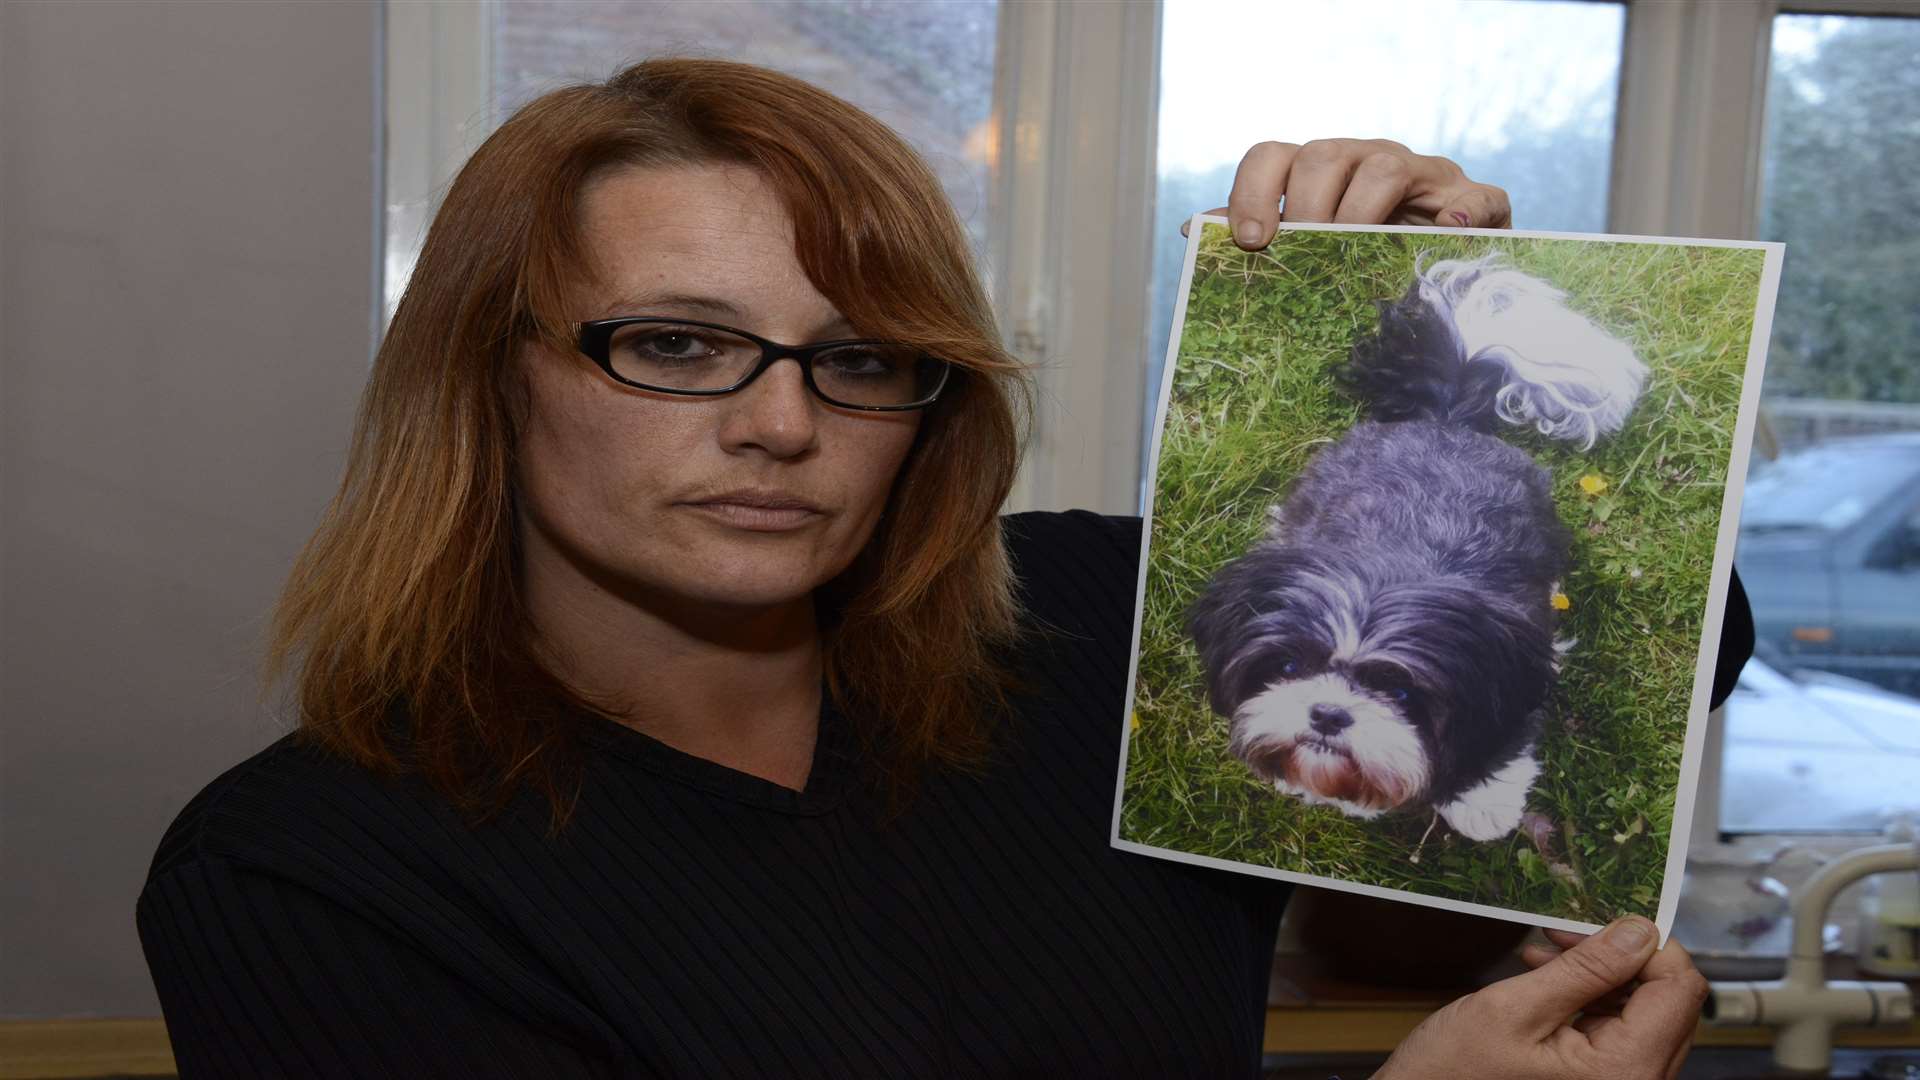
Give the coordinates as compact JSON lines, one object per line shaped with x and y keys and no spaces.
{"x":1391,"y":640}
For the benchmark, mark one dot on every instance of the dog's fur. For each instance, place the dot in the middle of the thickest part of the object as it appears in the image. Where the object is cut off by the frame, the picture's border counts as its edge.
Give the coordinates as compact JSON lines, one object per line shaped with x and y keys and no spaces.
{"x":1390,"y":642}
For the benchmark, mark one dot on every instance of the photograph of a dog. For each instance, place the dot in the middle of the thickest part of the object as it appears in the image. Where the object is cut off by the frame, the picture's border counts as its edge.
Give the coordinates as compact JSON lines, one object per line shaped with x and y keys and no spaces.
{"x":1391,"y":639}
{"x":1433,"y":526}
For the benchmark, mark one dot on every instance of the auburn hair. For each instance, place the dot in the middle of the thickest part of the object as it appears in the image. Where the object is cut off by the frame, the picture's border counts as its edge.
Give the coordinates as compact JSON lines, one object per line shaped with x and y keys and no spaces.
{"x":407,"y":601}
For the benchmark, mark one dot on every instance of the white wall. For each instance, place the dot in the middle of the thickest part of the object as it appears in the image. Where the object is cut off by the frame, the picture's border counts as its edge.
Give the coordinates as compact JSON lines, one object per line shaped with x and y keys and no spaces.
{"x":187,"y":216}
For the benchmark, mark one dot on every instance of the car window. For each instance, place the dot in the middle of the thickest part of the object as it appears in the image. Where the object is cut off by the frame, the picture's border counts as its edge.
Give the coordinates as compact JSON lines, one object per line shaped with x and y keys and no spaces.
{"x":1898,"y":546}
{"x":1829,"y":488}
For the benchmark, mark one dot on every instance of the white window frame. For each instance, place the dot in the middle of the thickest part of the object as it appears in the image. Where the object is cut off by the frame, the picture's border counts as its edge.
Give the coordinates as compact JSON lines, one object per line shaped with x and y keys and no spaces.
{"x":436,"y":78}
{"x":1075,"y":110}
{"x":1076,"y":102}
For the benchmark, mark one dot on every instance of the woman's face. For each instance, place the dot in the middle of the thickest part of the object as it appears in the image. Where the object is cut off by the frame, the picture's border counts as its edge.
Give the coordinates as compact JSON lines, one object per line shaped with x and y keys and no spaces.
{"x":664,"y":500}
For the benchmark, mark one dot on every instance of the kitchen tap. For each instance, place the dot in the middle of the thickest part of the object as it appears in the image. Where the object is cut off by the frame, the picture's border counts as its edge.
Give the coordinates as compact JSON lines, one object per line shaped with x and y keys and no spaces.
{"x":1804,"y":1005}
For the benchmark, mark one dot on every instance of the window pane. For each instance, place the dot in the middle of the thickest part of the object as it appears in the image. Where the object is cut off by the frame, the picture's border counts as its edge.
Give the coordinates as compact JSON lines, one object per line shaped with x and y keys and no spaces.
{"x":1520,"y":92}
{"x":925,"y":69}
{"x":1824,"y":732}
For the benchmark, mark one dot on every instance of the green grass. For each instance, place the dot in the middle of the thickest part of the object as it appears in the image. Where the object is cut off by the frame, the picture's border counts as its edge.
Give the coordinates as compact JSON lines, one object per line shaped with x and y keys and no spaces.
{"x":1252,"y":401}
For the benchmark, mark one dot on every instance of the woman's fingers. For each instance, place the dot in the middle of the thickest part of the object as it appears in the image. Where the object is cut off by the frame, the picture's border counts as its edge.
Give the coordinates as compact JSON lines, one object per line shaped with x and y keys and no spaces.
{"x":1321,"y":171}
{"x":1535,"y":954}
{"x":1608,"y":1004}
{"x":1543,"y":999}
{"x":1657,"y":1023}
{"x":1353,"y":182}
{"x":1253,"y":207}
{"x":1591,"y":1025}
{"x":1558,"y":941}
{"x":1476,"y":206}
{"x":1381,"y":182}
{"x":1678,"y":1060}
{"x":1565,"y":939}
{"x":1670,"y":994}
{"x":1673,"y":961}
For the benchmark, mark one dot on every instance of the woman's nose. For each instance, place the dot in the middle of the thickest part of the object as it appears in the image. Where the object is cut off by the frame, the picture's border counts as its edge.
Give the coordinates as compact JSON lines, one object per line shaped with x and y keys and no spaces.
{"x":775,"y":414}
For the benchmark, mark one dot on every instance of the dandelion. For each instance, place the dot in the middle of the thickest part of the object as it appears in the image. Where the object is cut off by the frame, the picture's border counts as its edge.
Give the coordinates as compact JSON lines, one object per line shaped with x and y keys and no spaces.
{"x":1593,"y":484}
{"x":1561,"y":601}
{"x":1134,"y":717}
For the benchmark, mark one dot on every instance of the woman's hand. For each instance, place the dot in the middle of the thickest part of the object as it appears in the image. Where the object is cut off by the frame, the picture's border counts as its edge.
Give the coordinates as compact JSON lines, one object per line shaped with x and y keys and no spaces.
{"x":1526,"y":1027}
{"x":1354,"y":181}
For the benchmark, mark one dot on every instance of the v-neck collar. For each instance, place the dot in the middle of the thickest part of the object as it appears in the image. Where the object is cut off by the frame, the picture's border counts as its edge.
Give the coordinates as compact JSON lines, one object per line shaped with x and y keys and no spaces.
{"x":827,"y":779}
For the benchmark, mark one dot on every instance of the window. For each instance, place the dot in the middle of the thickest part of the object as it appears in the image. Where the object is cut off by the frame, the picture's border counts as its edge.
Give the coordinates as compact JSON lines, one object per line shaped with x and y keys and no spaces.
{"x":1824,"y":732}
{"x":1520,"y":92}
{"x":925,"y":69}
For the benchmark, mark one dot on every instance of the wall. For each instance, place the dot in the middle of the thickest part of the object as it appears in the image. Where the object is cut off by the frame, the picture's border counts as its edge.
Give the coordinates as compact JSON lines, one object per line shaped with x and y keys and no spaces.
{"x":187,"y":248}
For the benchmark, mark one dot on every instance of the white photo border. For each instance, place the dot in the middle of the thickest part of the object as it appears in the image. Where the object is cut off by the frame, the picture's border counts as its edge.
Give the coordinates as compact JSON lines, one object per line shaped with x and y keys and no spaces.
{"x":1692,"y":752}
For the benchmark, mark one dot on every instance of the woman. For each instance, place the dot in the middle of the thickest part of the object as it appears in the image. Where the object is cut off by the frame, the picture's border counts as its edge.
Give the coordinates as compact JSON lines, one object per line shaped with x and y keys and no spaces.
{"x":671,"y":709}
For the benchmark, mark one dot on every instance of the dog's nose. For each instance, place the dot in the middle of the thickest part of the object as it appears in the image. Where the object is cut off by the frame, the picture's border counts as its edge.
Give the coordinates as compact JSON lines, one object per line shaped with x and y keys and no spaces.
{"x":1329,"y":719}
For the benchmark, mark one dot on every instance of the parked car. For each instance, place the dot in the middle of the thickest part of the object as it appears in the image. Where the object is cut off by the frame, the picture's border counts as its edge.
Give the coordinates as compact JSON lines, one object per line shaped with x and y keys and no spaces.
{"x":1830,"y":556}
{"x":1815,"y":752}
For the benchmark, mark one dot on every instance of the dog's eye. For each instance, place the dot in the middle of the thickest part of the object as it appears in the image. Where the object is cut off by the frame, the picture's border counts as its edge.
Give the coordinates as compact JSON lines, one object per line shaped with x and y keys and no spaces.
{"x":1290,"y":667}
{"x":1387,"y":680}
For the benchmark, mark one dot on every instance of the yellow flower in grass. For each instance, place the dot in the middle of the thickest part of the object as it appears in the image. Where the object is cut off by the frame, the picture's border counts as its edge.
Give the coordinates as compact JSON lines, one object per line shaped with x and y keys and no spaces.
{"x":1593,"y":484}
{"x":1135,"y":717}
{"x":1561,"y":601}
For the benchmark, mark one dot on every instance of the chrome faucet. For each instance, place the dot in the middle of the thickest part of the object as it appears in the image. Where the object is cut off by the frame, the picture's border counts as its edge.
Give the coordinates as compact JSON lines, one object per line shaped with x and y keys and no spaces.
{"x":1804,"y":1005}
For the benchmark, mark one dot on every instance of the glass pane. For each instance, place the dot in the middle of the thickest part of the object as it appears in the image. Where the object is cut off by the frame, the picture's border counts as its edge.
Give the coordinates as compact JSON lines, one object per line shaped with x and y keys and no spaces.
{"x":1824,"y":733}
{"x":925,"y":69}
{"x":1520,"y":92}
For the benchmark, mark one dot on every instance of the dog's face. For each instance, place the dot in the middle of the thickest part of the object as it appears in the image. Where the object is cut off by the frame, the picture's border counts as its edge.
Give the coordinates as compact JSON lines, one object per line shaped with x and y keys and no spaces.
{"x":1364,"y":689}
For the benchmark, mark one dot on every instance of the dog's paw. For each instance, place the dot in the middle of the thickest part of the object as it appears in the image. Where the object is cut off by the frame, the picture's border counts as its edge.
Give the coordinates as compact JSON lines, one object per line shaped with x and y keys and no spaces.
{"x":1493,"y":809}
{"x":1481,"y":822}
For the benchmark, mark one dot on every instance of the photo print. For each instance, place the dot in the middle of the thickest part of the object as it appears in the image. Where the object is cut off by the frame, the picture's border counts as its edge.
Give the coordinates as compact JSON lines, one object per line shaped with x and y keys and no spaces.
{"x":1438,"y":535}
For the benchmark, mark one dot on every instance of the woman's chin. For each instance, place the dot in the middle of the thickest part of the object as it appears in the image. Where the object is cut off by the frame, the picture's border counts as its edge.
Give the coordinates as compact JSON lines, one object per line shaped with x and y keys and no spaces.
{"x":748,"y":581}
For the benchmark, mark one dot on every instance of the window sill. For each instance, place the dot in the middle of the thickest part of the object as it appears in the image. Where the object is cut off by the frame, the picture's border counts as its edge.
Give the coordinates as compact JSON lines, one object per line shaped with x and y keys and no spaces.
{"x":1310,"y":1010}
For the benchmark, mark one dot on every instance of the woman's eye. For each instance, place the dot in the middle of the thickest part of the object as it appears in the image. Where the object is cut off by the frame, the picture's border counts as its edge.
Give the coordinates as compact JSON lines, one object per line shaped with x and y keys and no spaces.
{"x":860,"y":362}
{"x":672,"y":346}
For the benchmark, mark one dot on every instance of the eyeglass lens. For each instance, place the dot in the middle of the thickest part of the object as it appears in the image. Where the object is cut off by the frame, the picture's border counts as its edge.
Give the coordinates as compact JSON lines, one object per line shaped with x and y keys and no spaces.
{"x":700,"y":358}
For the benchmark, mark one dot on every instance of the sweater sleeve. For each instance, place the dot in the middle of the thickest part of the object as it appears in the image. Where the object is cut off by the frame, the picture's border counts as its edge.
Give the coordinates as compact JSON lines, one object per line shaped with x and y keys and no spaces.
{"x":261,"y":977}
{"x":1736,"y":641}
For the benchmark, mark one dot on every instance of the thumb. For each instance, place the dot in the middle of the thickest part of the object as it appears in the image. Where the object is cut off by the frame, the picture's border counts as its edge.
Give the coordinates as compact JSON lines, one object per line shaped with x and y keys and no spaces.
{"x":1545,"y":997}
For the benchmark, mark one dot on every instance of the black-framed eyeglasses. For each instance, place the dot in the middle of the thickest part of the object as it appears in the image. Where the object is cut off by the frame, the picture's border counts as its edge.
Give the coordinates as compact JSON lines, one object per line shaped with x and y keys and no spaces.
{"x":685,"y":356}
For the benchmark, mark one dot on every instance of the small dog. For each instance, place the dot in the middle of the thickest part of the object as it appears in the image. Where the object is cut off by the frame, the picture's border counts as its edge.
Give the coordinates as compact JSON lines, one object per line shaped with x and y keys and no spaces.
{"x":1391,"y":641}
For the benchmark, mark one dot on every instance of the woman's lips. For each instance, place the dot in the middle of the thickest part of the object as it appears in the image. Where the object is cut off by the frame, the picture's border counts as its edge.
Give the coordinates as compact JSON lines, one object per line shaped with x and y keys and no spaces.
{"x":758,"y":514}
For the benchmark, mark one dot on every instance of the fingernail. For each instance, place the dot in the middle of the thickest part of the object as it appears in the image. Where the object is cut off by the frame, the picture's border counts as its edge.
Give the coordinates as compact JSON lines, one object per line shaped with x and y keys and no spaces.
{"x":1630,"y":934}
{"x":1247,"y":232}
{"x":1461,"y":217}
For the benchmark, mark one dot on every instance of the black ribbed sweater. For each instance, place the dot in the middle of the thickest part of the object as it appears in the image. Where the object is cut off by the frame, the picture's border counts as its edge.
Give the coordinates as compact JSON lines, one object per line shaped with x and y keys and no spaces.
{"x":305,"y":918}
